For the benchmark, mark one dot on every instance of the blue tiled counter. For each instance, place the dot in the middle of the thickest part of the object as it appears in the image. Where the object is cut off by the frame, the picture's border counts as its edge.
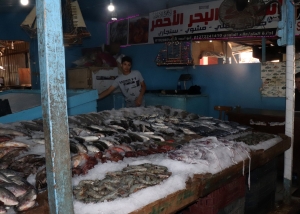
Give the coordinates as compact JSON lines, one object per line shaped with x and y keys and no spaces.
{"x":197,"y":104}
{"x":26,"y":104}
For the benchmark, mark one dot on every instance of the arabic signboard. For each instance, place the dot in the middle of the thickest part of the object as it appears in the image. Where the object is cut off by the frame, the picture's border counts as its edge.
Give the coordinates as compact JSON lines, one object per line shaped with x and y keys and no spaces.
{"x":201,"y":21}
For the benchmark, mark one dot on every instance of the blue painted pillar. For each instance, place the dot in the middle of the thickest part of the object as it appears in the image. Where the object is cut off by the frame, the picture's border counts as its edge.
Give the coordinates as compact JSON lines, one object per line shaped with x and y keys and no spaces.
{"x":54,"y":105}
{"x":263,"y":49}
{"x":290,"y":88}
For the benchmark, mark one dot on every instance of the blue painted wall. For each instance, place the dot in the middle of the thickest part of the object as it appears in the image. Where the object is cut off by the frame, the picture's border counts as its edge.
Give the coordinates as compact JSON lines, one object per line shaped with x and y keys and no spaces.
{"x":10,"y":30}
{"x":235,"y":84}
{"x":225,"y":84}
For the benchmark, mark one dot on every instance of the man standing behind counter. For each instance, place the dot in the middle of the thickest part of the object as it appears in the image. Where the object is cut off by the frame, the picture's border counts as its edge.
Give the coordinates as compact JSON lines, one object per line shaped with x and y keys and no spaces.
{"x":131,"y":84}
{"x":297,"y":92}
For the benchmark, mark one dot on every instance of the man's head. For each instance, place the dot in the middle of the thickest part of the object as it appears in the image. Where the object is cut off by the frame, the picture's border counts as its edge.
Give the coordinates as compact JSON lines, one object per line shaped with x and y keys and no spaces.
{"x":126,"y":64}
{"x":297,"y":81}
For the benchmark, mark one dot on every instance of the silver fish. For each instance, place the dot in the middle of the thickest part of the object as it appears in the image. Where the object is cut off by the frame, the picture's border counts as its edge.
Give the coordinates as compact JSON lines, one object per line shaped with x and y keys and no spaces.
{"x":7,"y":197}
{"x":13,"y":143}
{"x":10,"y":132}
{"x":92,"y":148}
{"x":187,"y":131}
{"x":95,"y":127}
{"x":14,"y":189}
{"x":27,"y":201}
{"x":9,"y":173}
{"x":88,"y":138}
{"x":155,"y":137}
{"x":4,"y":178}
{"x":39,"y":141}
{"x":107,"y":142}
{"x":119,"y":128}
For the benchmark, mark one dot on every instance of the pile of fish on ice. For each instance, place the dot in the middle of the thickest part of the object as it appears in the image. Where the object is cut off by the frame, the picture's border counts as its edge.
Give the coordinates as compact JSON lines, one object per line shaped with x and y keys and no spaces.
{"x":111,"y":136}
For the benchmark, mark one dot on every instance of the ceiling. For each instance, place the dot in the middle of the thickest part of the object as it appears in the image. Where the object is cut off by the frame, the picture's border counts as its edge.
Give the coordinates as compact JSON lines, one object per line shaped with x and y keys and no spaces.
{"x":96,"y":10}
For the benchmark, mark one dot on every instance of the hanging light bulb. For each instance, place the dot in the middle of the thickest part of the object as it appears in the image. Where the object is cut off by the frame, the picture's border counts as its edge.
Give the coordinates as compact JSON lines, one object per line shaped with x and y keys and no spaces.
{"x":12,"y":45}
{"x":24,"y":2}
{"x":111,"y":7}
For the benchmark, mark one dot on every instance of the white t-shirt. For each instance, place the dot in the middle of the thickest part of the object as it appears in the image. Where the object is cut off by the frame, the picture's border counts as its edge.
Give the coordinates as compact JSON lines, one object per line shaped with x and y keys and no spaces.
{"x":130,"y":86}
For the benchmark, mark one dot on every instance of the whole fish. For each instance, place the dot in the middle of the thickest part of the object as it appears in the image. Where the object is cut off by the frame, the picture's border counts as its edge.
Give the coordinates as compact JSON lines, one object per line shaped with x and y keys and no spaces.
{"x":152,"y":136}
{"x":79,"y":160}
{"x":135,"y":137}
{"x":117,"y":127}
{"x":39,"y":141}
{"x":78,"y":147}
{"x":12,"y":154}
{"x":80,"y":131}
{"x":101,"y":146}
{"x":14,"y":189}
{"x":41,"y":179}
{"x":7,"y":197}
{"x":92,"y":148}
{"x":4,"y":178}
{"x":9,"y":173}
{"x":32,"y":126}
{"x":5,"y":150}
{"x":10,"y":132}
{"x":13,"y":143}
{"x":87,"y":138}
{"x":95,"y":128}
{"x":27,"y":201}
{"x":107,"y":142}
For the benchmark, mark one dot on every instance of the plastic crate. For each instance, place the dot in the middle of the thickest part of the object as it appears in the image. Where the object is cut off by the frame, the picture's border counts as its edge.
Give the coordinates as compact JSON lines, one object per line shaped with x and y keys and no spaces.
{"x":236,"y":207}
{"x":219,"y":198}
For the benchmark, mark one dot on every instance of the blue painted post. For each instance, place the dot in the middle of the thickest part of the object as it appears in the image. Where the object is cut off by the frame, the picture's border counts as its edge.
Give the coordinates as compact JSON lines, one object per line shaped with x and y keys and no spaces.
{"x":263,"y":49}
{"x":290,"y":82}
{"x":54,"y":105}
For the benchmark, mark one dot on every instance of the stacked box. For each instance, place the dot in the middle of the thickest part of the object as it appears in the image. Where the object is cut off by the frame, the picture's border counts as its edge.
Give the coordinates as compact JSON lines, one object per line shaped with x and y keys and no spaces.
{"x":219,"y":198}
{"x":260,"y":198}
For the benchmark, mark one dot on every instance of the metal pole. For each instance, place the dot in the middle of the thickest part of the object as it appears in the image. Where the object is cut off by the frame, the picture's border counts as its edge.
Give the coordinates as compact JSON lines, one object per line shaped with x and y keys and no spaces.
{"x":54,"y":105}
{"x":290,"y":88}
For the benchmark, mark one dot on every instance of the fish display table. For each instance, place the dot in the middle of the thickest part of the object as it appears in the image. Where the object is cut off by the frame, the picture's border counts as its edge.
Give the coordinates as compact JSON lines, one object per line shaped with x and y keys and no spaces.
{"x":141,"y":160}
{"x":203,"y":184}
{"x":269,"y":121}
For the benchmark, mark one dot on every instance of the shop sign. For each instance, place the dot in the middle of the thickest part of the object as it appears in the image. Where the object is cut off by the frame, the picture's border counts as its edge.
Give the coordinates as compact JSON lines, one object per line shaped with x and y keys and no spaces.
{"x":201,"y":21}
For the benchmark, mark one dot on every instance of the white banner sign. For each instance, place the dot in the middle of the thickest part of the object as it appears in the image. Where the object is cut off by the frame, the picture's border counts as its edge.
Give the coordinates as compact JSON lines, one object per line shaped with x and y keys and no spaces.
{"x":202,"y":21}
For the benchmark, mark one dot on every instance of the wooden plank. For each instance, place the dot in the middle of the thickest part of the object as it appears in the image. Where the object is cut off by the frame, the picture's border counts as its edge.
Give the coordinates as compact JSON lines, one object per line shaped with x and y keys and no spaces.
{"x":211,"y":182}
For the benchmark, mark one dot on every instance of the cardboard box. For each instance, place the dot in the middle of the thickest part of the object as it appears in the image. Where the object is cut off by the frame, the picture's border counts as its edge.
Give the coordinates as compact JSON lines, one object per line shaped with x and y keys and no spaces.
{"x":99,"y":78}
{"x":104,"y":77}
{"x":79,"y":78}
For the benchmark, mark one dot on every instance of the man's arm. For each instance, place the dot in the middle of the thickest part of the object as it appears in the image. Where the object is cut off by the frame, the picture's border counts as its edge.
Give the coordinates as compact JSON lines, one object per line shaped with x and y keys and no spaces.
{"x":139,"y":99}
{"x":106,"y":92}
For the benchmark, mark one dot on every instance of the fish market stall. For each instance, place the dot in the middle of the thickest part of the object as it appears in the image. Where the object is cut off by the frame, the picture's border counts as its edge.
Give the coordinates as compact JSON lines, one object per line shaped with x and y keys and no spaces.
{"x":138,"y":160}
